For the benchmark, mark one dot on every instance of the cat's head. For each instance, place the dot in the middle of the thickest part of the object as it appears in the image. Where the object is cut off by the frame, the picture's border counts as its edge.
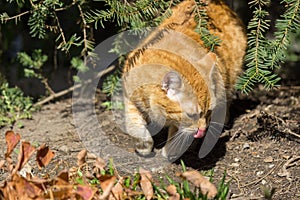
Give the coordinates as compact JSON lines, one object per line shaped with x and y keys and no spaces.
{"x":196,"y":108}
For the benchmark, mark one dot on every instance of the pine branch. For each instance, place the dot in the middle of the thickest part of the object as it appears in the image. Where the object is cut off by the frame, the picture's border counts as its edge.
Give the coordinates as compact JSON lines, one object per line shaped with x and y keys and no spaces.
{"x":257,"y":53}
{"x":87,"y":45}
{"x":140,"y":14}
{"x":4,"y":17}
{"x":209,"y":39}
{"x":289,"y":23}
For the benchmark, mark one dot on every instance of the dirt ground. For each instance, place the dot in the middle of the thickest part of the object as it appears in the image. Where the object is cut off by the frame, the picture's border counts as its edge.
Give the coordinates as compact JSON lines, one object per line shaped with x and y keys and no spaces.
{"x":259,"y":148}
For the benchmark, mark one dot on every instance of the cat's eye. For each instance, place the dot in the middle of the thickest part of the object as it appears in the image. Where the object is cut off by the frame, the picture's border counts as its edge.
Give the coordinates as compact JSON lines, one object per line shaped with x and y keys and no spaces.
{"x":193,"y":116}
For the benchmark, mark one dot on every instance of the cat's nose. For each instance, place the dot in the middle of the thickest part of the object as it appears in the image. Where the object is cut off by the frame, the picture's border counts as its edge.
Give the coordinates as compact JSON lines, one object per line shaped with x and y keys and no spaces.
{"x":200,"y":133}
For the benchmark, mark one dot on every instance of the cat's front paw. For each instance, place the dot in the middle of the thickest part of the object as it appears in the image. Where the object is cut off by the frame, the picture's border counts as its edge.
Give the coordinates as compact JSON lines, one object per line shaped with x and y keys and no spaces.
{"x":171,"y":157}
{"x":144,"y":147}
{"x":164,"y":152}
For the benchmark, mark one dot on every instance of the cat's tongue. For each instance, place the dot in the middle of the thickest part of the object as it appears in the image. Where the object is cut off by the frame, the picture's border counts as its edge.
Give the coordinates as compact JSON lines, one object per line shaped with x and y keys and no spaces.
{"x":200,"y":133}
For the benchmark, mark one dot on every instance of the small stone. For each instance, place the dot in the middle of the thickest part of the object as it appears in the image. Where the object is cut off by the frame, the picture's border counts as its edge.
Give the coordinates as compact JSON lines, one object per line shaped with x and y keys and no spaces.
{"x":268,"y":159}
{"x":104,"y":123}
{"x":259,"y":173}
{"x":271,"y":166}
{"x":286,"y":157}
{"x":64,"y":149}
{"x":236,"y":148}
{"x":264,"y":182}
{"x":246,"y":146}
{"x":235,"y":165}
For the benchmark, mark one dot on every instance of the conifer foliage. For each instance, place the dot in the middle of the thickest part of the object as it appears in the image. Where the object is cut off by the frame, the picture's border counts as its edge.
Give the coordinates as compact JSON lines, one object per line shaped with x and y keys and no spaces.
{"x":265,"y":55}
{"x":43,"y":17}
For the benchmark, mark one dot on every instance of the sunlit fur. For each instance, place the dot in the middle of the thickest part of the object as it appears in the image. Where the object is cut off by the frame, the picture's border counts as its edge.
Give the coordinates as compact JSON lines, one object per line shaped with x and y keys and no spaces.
{"x":173,"y":81}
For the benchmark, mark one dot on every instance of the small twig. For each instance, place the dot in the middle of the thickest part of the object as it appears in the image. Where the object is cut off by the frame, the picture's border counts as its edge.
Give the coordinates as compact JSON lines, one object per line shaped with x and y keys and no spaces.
{"x":71,"y":89}
{"x":237,"y":182}
{"x":85,"y":48}
{"x":261,"y":178}
{"x":15,"y":17}
{"x":47,"y":86}
{"x":284,"y":171}
{"x":286,"y":130}
{"x":66,"y":7}
{"x":60,"y":29}
{"x":291,"y":87}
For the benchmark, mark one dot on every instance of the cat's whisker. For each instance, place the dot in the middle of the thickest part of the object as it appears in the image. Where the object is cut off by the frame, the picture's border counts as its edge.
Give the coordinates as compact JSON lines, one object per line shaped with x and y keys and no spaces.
{"x":220,"y":124}
{"x":215,"y":129}
{"x":179,"y":145}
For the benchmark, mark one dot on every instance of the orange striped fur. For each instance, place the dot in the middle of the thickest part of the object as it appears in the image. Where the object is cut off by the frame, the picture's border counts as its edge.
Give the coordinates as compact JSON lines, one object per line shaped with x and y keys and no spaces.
{"x":172,"y":80}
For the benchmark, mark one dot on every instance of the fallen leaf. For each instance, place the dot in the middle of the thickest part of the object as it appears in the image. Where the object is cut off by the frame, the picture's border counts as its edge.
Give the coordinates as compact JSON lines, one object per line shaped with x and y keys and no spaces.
{"x":44,"y":155}
{"x":61,"y":192}
{"x":117,"y":191}
{"x":106,"y":182}
{"x":146,"y":184}
{"x":26,"y":171}
{"x":12,"y":140}
{"x":10,"y":164}
{"x":25,"y":189}
{"x":62,"y":178}
{"x":2,"y":163}
{"x":172,"y":191}
{"x":26,"y":150}
{"x":100,"y":163}
{"x":200,"y":181}
{"x":81,"y":157}
{"x":9,"y":191}
{"x":85,"y":192}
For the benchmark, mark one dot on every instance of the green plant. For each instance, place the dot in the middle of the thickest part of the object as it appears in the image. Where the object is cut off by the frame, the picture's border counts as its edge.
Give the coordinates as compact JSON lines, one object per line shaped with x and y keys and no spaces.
{"x":14,"y":105}
{"x":46,"y":25}
{"x":45,"y":22}
{"x":265,"y":55}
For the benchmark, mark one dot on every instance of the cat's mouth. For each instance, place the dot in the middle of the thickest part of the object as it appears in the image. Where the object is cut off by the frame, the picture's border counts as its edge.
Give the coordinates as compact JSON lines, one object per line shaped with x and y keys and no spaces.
{"x":200,"y":133}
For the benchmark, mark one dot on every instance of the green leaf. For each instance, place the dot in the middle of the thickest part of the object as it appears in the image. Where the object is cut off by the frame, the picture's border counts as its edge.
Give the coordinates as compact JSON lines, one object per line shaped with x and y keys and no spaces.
{"x":78,"y":64}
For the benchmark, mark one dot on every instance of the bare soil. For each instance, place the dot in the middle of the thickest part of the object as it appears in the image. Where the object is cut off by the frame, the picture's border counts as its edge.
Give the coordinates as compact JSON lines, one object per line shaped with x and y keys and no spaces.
{"x":259,"y":149}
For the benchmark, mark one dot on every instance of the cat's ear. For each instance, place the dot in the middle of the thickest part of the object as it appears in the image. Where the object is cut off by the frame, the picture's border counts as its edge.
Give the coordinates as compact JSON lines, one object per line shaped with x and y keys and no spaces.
{"x":172,"y":83}
{"x":171,"y":80}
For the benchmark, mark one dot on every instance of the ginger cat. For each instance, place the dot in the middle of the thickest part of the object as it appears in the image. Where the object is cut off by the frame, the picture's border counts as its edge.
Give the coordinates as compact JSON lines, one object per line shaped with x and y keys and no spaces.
{"x":171,"y":80}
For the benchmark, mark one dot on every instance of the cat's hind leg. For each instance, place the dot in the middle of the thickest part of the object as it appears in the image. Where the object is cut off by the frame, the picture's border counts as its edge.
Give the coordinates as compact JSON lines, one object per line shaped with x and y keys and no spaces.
{"x":136,"y":126}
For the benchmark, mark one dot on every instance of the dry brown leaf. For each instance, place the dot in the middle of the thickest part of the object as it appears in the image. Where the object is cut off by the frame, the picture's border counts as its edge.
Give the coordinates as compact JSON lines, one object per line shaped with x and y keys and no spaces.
{"x":62,"y":178}
{"x":146,"y":184}
{"x":117,"y":191}
{"x":100,"y":163}
{"x":81,"y":157}
{"x":26,"y":150}
{"x":172,"y":191}
{"x":106,"y":183}
{"x":12,"y":140}
{"x":200,"y":181}
{"x":2,"y":163}
{"x":9,"y":191}
{"x":26,"y":189}
{"x":10,"y":164}
{"x":44,"y":155}
{"x":85,"y":192}
{"x":61,"y":192}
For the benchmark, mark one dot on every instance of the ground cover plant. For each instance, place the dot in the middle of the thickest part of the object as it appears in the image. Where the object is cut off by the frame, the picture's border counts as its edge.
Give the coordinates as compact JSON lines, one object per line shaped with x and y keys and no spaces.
{"x":92,"y":180}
